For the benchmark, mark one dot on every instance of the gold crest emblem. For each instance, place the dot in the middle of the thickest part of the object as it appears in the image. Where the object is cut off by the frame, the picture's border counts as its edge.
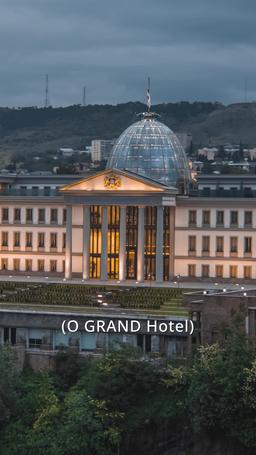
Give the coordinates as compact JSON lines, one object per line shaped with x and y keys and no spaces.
{"x":112,"y":182}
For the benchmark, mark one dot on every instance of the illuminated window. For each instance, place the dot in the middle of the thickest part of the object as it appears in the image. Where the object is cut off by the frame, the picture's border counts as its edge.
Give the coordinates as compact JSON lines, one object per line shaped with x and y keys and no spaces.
{"x":247,"y":272}
{"x":131,"y":242}
{"x":233,"y":271}
{"x":16,"y":265}
{"x":219,"y":271}
{"x":40,"y":265}
{"x":28,"y":265}
{"x":166,"y":243}
{"x":95,"y":241}
{"x":53,"y":265}
{"x":150,"y":243}
{"x":113,"y":241}
{"x":4,"y":263}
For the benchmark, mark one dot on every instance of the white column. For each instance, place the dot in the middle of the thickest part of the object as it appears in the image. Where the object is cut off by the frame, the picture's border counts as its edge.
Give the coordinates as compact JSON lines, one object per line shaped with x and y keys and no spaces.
{"x":104,"y":244}
{"x":159,"y":244}
{"x":86,"y":243}
{"x":122,"y":244}
{"x":140,"y":246}
{"x":68,"y":258}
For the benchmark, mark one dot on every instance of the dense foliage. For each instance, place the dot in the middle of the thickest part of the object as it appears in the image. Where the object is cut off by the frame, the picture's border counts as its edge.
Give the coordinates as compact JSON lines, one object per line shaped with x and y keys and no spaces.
{"x":99,"y":407}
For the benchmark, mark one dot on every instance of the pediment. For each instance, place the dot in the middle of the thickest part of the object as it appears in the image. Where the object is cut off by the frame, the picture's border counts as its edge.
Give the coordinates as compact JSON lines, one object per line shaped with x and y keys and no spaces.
{"x":112,"y":180}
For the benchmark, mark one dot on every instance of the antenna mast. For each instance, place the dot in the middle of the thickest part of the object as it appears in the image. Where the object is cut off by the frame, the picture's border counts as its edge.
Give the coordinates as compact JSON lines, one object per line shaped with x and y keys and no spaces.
{"x":46,"y":101}
{"x":84,"y":96}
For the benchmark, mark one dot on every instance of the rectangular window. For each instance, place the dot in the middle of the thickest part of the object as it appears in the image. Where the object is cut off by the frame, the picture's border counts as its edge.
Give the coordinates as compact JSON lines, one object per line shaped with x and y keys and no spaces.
{"x":5,"y":215}
{"x":4,"y":238}
{"x":53,"y":240}
{"x":16,"y":239}
{"x":41,"y":240}
{"x":233,"y":271}
{"x":206,"y":244}
{"x":233,"y":218}
{"x":29,"y":215}
{"x":205,"y":271}
{"x":206,"y":217}
{"x":192,"y":244}
{"x":192,"y":218}
{"x":17,"y":215}
{"x":220,"y":218}
{"x":233,"y":244}
{"x":54,"y":216}
{"x":191,"y":270}
{"x":35,"y":190}
{"x":29,"y":239}
{"x":40,"y":265}
{"x":53,"y":266}
{"x":64,"y":216}
{"x":28,"y":265}
{"x":16,"y":265}
{"x":247,"y":272}
{"x":63,"y":241}
{"x":219,"y":244}
{"x":248,"y":245}
{"x":219,"y":271}
{"x":248,"y":219}
{"x":41,"y":216}
{"x":4,"y":264}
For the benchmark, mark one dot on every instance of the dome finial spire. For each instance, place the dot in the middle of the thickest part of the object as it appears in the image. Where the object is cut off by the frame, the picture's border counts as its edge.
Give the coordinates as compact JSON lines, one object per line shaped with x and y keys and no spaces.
{"x":148,"y":96}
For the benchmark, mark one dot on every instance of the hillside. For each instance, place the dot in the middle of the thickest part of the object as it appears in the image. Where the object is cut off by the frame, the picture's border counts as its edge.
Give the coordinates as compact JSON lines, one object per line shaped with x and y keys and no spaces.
{"x":32,"y":130}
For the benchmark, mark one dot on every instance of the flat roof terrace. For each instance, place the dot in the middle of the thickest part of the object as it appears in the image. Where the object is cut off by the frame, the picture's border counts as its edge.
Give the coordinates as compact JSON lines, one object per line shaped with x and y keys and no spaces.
{"x":158,"y":302}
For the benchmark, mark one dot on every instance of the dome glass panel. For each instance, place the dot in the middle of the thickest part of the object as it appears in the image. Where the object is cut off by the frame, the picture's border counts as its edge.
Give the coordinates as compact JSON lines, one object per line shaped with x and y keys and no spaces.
{"x":149,"y":148}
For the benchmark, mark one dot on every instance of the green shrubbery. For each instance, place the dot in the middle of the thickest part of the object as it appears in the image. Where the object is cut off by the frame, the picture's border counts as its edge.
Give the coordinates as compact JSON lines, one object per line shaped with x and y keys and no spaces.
{"x":75,"y":294}
{"x":99,"y":407}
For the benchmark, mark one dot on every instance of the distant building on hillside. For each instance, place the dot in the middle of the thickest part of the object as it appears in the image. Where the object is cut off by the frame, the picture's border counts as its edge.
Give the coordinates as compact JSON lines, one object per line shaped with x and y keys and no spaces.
{"x":208,"y":152}
{"x":101,"y":148}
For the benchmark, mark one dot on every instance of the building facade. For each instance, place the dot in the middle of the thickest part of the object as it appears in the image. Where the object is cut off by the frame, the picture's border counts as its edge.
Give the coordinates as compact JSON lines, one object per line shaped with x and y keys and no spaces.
{"x":141,"y":219}
{"x":117,"y":225}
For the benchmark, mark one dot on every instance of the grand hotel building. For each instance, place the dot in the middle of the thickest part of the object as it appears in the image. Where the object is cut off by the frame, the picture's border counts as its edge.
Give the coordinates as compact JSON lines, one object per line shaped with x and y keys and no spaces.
{"x":142,"y":219}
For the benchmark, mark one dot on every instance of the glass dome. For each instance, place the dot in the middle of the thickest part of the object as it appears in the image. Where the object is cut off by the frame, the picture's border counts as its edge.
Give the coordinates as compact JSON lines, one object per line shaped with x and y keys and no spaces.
{"x":149,"y":148}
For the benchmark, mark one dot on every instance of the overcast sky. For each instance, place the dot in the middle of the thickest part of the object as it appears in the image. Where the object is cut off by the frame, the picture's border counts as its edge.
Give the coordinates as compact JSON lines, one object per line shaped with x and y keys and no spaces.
{"x":192,"y":49}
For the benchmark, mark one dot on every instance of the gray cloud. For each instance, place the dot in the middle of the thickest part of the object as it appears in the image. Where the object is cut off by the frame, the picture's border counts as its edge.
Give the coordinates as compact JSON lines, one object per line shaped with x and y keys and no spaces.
{"x":200,"y":50}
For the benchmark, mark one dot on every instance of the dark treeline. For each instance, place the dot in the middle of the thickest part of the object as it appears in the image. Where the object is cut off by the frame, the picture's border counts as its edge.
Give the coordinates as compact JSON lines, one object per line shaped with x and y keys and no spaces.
{"x":122,"y":405}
